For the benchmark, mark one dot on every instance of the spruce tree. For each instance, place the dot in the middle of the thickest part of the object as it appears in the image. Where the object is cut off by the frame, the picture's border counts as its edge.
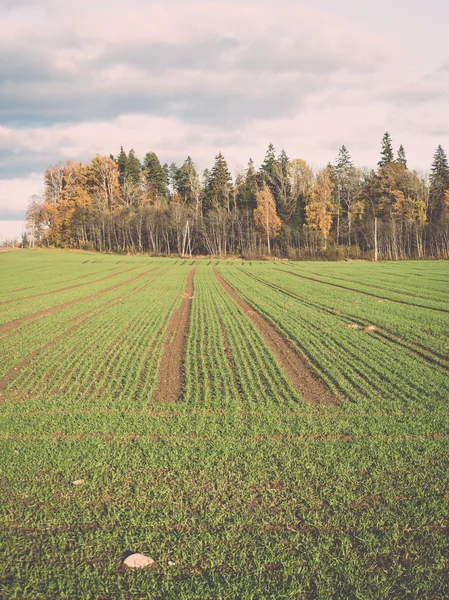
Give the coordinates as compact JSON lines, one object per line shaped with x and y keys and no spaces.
{"x":401,"y":159}
{"x":439,"y":184}
{"x":246,"y":198}
{"x":268,"y":166}
{"x":155,"y":175}
{"x":219,"y":187}
{"x":386,"y":154}
{"x":122,"y":162}
{"x":133,"y":168}
{"x":344,"y":160}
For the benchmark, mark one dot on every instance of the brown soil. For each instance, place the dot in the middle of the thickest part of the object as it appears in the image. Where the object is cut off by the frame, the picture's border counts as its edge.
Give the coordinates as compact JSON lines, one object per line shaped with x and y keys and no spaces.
{"x":6,"y":327}
{"x":171,"y":376}
{"x":295,"y":367}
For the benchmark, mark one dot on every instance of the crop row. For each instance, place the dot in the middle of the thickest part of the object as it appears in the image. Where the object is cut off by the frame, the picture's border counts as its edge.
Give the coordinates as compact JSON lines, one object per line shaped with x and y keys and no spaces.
{"x":361,"y":365}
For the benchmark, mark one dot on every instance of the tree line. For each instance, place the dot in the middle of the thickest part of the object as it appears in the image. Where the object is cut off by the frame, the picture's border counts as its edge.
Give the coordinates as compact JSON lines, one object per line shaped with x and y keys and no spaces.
{"x":284,"y":208}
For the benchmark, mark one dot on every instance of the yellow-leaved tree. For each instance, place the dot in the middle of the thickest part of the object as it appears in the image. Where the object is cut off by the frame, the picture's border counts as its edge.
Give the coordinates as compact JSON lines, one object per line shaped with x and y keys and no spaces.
{"x":265,"y":216}
{"x":319,"y":207}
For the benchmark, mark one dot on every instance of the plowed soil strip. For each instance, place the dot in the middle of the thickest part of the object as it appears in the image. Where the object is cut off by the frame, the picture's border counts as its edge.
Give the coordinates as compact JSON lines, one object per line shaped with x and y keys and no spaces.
{"x":298,"y":371}
{"x":171,"y":375}
{"x":6,"y":327}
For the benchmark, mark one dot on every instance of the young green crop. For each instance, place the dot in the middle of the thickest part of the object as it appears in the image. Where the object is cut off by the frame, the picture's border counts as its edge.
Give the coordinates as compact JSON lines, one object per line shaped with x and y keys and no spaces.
{"x":250,"y":491}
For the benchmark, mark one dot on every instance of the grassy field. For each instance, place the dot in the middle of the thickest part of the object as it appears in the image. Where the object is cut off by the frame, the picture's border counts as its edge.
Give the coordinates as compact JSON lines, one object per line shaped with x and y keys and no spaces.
{"x":276,"y":430}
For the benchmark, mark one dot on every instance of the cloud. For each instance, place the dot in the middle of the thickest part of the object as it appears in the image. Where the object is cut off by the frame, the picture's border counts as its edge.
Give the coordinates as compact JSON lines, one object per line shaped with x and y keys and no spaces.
{"x":179,"y":77}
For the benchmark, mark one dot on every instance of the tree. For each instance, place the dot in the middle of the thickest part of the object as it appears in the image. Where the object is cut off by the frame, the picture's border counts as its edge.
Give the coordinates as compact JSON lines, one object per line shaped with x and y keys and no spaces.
{"x":401,"y":159}
{"x":320,"y":206}
{"x":268,"y":166}
{"x":265,"y":217}
{"x":439,"y":184}
{"x":386,"y":154}
{"x":348,"y":190}
{"x":122,"y":163}
{"x":133,"y":171}
{"x":188,"y":185}
{"x":155,"y":177}
{"x":247,"y":187}
{"x":344,"y":160}
{"x":104,"y":180}
{"x":219,"y":185}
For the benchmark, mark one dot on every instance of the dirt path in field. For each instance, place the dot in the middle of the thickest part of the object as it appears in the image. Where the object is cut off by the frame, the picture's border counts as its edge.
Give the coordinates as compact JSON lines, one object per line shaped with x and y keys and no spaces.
{"x":70,"y":287}
{"x":171,"y":375}
{"x":6,"y":327}
{"x":342,"y":287}
{"x":298,"y":371}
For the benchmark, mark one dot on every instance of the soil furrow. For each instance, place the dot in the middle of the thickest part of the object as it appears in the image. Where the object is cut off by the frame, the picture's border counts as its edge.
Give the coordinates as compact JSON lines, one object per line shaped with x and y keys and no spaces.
{"x":171,"y":372}
{"x":299,"y":372}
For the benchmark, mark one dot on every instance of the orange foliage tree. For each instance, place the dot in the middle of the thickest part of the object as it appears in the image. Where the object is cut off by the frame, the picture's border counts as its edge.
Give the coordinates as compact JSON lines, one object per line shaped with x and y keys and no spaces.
{"x":265,"y":217}
{"x":319,"y":207}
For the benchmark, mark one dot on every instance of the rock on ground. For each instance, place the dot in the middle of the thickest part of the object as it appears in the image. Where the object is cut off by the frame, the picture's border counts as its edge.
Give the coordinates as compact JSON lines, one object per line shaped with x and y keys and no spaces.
{"x":138,"y":561}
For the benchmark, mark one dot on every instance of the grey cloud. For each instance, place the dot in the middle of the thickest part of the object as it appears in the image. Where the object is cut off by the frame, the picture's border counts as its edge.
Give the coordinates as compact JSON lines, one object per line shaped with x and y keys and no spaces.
{"x":159,"y":57}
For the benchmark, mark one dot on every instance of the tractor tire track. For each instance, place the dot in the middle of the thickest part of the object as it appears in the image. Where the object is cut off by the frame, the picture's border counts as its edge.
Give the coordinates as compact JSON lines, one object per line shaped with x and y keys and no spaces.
{"x":298,"y":371}
{"x":171,"y":375}
{"x":415,"y":349}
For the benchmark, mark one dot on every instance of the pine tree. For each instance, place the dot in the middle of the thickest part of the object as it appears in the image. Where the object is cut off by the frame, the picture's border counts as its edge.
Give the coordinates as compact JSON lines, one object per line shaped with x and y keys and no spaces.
{"x":439,"y":185}
{"x":386,"y":154}
{"x":401,"y":159}
{"x":219,"y":187}
{"x":133,"y":168}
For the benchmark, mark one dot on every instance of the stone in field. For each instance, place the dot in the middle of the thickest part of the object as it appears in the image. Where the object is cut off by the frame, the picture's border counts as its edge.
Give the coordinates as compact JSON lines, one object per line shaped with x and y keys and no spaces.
{"x":138,"y":561}
{"x":78,"y":481}
{"x":171,"y":563}
{"x":370,"y":328}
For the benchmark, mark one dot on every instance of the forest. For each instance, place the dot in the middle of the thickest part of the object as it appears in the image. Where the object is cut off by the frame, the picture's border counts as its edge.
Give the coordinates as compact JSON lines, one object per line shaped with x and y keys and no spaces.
{"x":283,"y":209}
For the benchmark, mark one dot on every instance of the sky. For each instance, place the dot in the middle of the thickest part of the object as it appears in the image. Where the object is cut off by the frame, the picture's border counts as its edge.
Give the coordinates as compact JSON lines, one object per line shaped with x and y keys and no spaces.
{"x":178,"y":77}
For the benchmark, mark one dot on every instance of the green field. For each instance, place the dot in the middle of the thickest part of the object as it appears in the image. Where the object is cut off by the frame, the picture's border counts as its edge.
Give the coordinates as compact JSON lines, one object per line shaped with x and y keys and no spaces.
{"x":250,"y":490}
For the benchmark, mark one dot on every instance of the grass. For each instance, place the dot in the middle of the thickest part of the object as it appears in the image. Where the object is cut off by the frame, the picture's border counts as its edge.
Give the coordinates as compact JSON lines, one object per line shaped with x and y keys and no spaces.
{"x":252,"y":492}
